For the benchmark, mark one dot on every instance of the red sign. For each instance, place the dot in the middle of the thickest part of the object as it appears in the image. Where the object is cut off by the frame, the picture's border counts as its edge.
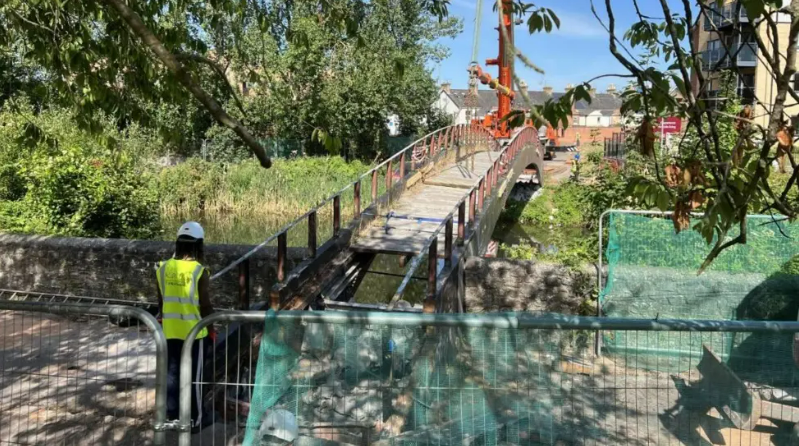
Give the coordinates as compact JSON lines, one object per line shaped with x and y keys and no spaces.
{"x":669,"y":125}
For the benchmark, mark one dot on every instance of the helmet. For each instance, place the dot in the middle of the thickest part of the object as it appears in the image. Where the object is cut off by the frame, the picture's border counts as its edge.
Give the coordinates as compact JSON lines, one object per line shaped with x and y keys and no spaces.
{"x":191,"y":229}
{"x":278,"y":427}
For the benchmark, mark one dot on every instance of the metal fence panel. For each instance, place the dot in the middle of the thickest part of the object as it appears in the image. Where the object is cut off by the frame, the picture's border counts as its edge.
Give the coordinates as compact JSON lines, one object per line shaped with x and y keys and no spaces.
{"x":365,"y":378}
{"x":77,"y":374}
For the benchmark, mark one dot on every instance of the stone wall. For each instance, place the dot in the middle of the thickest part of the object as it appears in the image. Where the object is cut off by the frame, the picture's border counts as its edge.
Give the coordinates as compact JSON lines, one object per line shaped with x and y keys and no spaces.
{"x":520,"y":285}
{"x":121,"y":269}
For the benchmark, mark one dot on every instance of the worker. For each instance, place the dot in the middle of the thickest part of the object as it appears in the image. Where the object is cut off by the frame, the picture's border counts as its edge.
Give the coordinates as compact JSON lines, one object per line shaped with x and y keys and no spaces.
{"x":183,"y":299}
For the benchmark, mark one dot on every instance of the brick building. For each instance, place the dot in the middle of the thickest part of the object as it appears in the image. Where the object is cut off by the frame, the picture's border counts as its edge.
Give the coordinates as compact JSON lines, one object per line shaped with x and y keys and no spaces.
{"x":602,"y":115}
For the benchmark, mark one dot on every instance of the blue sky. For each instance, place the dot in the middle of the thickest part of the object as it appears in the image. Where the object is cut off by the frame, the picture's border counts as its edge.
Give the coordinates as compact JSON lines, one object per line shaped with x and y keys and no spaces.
{"x":578,"y":51}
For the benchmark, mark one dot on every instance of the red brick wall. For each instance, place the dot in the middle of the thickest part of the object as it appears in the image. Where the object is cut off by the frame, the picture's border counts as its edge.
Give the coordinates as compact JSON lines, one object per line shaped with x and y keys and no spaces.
{"x":569,"y":135}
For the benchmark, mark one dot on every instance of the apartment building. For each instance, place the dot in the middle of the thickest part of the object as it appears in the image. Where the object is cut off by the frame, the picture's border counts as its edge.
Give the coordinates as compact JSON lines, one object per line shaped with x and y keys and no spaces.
{"x":726,"y":38}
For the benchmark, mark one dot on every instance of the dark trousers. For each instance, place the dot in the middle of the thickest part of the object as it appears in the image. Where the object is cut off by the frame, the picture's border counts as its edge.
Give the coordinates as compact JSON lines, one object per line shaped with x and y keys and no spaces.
{"x":174,"y":348}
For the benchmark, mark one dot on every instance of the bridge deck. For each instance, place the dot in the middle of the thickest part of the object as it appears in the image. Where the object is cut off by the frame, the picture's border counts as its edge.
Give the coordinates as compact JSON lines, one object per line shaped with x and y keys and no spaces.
{"x":408,"y":225}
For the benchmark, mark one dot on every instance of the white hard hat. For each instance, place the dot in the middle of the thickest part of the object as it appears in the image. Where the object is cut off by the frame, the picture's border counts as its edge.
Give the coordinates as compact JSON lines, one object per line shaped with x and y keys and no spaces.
{"x":191,"y":229}
{"x":279,"y":424}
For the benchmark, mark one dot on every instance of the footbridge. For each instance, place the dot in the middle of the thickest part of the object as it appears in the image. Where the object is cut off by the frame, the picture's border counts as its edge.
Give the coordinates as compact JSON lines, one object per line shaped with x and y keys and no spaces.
{"x":432,"y":205}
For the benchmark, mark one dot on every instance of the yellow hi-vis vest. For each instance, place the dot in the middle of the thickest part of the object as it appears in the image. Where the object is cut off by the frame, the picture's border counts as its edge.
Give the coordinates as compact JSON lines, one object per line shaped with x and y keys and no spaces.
{"x":178,"y":281}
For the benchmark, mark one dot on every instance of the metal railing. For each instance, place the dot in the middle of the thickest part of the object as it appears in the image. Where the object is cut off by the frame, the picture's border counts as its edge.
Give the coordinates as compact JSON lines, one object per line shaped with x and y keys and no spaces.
{"x":615,"y":147}
{"x":392,"y":378}
{"x":384,"y":179}
{"x":78,"y":379}
{"x":476,"y":196}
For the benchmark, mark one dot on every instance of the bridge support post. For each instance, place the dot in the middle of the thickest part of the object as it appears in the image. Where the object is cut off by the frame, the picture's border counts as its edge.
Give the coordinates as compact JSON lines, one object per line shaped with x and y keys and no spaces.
{"x":432,"y":272}
{"x":312,"y":234}
{"x":282,"y":251}
{"x":461,"y":222}
{"x":448,"y":240}
{"x":356,"y":191}
{"x":389,"y":179}
{"x":481,"y":194}
{"x":471,"y":206}
{"x":336,"y":215}
{"x":374,"y":186}
{"x":244,"y":285}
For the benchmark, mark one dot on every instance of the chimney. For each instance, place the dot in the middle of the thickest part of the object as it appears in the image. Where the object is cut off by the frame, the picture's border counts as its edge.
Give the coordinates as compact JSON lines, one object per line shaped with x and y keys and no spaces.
{"x":523,"y":86}
{"x":548,"y":90}
{"x":611,"y":89}
{"x":593,"y":92}
{"x":569,"y":87}
{"x":473,"y":86}
{"x":446,"y":86}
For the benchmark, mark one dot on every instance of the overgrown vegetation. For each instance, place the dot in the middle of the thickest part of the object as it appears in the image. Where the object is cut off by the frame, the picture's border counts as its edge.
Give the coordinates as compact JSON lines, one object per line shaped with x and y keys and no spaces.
{"x":564,"y":217}
{"x":58,"y":179}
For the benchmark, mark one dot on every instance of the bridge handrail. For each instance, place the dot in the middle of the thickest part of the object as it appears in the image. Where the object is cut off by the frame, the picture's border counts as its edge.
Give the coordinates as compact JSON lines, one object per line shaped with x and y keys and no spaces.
{"x":506,"y":156}
{"x":449,"y":133}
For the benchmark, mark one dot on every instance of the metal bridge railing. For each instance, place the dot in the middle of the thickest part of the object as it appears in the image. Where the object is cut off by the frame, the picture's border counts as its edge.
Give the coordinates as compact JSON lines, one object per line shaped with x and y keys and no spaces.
{"x":476,"y":197}
{"x":399,"y":378}
{"x":324,"y":222}
{"x":69,"y":376}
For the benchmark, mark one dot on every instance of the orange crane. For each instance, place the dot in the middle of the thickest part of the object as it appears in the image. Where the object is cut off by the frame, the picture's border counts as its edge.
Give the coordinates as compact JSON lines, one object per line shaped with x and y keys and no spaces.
{"x":504,"y":84}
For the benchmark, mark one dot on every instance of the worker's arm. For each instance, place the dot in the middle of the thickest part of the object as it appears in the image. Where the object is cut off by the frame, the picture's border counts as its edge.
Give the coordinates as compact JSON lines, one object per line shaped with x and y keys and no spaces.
{"x":205,"y":294}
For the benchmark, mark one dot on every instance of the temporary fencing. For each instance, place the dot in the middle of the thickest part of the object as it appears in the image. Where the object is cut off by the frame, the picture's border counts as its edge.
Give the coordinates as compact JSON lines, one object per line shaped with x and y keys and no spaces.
{"x":652,"y":273}
{"x":396,"y":378}
{"x":76,"y":374}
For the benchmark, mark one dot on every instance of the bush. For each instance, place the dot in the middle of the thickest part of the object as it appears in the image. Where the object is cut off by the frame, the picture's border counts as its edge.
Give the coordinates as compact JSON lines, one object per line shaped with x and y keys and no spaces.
{"x":77,"y":194}
{"x":58,"y":179}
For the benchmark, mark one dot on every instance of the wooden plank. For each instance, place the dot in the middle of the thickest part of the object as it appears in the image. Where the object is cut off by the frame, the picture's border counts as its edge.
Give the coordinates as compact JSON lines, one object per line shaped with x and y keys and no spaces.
{"x":738,"y":404}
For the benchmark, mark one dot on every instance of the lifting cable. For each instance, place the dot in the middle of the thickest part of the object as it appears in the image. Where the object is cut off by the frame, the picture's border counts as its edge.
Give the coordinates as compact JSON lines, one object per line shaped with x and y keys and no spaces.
{"x":476,"y":37}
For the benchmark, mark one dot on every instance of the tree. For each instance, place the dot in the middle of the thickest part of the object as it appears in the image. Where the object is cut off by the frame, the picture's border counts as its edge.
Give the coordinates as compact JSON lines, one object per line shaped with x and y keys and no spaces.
{"x":328,"y":85}
{"x":711,"y":182}
{"x":104,"y":55}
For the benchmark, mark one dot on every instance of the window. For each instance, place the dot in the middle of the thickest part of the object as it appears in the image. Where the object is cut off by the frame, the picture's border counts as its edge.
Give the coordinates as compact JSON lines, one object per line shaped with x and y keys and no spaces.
{"x":796,"y":81}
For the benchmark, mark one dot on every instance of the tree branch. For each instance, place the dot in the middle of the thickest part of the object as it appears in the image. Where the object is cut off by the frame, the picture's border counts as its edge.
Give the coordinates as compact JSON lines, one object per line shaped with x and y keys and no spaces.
{"x":171,"y":62}
{"x":219,"y":72}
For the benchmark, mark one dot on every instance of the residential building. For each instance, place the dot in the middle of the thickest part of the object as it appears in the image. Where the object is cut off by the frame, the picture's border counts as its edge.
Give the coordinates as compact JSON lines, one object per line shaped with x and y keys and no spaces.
{"x":602,"y":111}
{"x":726,"y":37}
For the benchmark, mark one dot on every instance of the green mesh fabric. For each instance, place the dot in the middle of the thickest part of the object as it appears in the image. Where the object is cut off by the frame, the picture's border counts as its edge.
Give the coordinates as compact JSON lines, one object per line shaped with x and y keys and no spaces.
{"x":487,"y":386}
{"x":653,"y":274}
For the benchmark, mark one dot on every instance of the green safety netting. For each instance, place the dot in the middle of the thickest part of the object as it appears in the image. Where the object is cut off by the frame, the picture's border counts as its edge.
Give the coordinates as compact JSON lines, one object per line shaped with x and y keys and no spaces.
{"x":480,"y":385}
{"x":652,"y":273}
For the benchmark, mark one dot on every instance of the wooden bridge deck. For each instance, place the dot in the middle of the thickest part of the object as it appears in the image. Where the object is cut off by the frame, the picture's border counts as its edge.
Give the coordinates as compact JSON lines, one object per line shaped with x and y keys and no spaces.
{"x":406,"y":227}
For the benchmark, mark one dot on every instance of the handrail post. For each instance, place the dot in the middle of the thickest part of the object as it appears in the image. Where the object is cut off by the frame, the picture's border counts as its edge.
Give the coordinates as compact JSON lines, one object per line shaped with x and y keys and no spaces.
{"x":488,"y":181}
{"x":282,"y":250}
{"x":389,"y":174}
{"x":461,"y":221}
{"x":471,"y":206}
{"x":432,"y":270}
{"x":402,"y":167}
{"x":448,"y":240}
{"x":336,"y":215}
{"x":312,"y":234}
{"x":481,"y":195}
{"x":244,"y":285}
{"x":374,"y":185}
{"x":356,"y":192}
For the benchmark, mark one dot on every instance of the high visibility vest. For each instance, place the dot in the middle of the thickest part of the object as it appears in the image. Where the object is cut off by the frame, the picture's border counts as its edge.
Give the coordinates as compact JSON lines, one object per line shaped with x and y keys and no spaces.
{"x":178,"y":281}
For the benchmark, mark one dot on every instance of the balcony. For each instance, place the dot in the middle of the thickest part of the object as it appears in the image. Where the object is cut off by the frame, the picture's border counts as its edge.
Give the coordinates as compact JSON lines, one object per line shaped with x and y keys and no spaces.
{"x":725,"y":17}
{"x":718,"y":58}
